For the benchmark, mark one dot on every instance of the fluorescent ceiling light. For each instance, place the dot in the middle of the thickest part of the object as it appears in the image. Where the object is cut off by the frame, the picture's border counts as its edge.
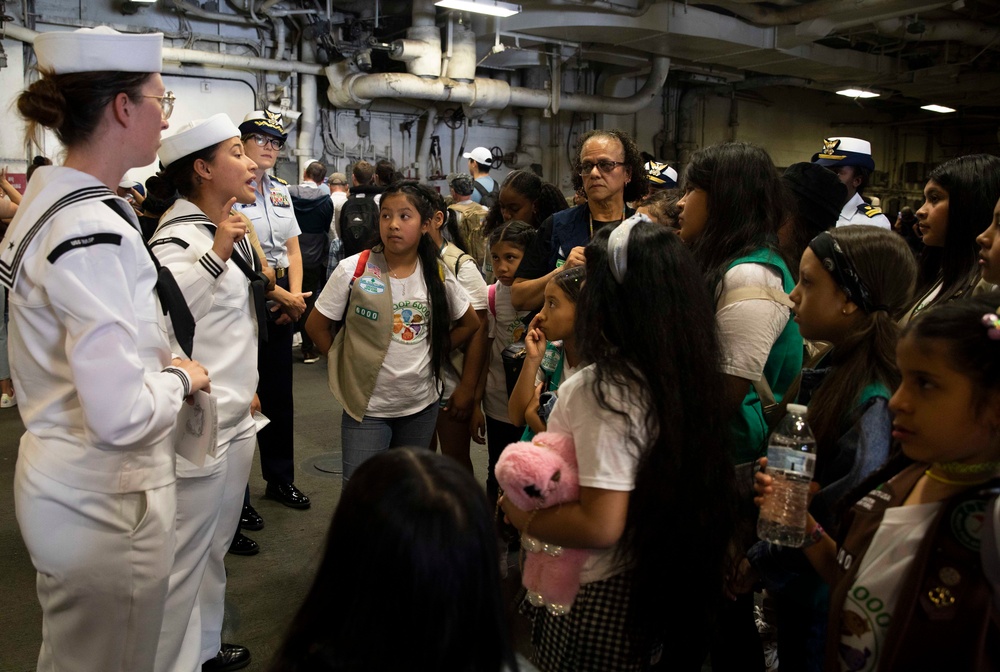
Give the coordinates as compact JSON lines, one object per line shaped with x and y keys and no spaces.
{"x":937,"y":108}
{"x":857,"y":93}
{"x":491,"y":7}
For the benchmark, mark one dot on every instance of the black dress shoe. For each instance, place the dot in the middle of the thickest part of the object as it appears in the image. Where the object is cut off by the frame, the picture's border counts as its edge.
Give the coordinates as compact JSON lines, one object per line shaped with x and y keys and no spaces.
{"x":243,"y":545}
{"x":229,"y":657}
{"x":250,"y":519}
{"x":287,"y":494}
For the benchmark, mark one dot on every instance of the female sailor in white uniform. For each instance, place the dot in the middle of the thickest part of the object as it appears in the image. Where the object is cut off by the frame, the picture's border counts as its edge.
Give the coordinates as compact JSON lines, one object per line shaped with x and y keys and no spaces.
{"x":205,"y":247}
{"x":96,"y":385}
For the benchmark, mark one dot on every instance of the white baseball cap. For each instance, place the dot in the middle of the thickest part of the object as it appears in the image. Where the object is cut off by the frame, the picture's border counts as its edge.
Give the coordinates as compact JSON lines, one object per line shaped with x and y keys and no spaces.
{"x":480,"y":155}
{"x":98,"y":49}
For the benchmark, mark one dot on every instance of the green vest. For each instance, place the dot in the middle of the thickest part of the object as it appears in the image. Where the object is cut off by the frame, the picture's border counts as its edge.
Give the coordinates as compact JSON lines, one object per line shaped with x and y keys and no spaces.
{"x":749,"y":430}
{"x":359,"y":348}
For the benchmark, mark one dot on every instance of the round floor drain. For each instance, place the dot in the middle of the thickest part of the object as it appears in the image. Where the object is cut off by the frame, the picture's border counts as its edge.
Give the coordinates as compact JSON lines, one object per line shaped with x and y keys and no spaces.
{"x":327,"y":464}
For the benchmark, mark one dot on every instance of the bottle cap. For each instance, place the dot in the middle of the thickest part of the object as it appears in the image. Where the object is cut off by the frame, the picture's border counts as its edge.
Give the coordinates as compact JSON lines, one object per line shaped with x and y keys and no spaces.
{"x":797,"y":409}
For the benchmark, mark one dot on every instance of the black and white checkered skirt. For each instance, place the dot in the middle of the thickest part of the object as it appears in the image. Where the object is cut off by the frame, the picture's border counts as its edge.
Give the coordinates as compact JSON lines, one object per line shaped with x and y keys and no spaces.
{"x":591,"y":637}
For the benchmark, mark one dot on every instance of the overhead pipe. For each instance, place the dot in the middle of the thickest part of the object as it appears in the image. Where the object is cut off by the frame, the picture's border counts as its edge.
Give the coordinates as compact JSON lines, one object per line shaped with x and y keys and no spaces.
{"x":529,"y":146}
{"x":309,"y":108}
{"x":820,"y":9}
{"x":196,"y":11}
{"x":968,"y":32}
{"x":424,"y":148}
{"x":196,"y":57}
{"x":354,"y":90}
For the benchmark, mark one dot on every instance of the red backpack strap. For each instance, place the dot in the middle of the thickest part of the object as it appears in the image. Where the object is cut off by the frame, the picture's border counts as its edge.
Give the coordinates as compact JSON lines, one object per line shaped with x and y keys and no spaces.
{"x":491,"y":299}
{"x":359,"y":270}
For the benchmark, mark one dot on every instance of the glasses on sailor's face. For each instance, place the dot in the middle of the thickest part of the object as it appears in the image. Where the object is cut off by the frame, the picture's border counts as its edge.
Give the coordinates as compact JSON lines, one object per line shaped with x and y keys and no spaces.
{"x":265,"y":140}
{"x":166,"y":103}
{"x":604,"y":165}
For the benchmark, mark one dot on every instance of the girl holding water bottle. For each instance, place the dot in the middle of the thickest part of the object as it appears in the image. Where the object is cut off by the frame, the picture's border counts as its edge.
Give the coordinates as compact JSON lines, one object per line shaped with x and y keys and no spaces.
{"x":915,"y":568}
{"x":853,"y":283}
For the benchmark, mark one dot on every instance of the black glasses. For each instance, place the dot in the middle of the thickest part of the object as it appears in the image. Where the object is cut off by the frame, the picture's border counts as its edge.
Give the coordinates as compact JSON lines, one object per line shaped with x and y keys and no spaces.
{"x":166,"y":103}
{"x":264,"y":141}
{"x":605,"y":166}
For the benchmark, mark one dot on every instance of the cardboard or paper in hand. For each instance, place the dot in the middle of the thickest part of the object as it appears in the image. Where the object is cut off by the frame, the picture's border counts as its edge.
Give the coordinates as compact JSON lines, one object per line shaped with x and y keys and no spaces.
{"x":197,"y":431}
{"x":261,"y":420}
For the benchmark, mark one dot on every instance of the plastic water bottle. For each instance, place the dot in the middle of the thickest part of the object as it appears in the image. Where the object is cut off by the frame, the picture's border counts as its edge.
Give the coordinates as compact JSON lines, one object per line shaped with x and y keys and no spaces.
{"x":791,"y":462}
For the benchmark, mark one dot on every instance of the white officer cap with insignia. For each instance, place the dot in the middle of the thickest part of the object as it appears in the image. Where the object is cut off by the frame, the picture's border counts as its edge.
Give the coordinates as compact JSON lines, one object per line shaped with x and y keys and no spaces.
{"x":660,"y":175}
{"x":98,"y":49}
{"x":197,"y":135}
{"x":839,"y":152}
{"x":263,"y":121}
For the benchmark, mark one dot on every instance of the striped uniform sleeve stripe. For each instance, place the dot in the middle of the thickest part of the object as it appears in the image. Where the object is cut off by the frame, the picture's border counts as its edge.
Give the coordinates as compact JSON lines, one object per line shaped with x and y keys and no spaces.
{"x":83,"y":241}
{"x":183,"y":375}
{"x":176,"y":241}
{"x":211,"y":265}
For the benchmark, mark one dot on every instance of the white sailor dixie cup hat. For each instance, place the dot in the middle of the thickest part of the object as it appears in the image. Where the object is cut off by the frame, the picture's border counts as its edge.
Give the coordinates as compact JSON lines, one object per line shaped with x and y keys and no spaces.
{"x":98,"y":49}
{"x":839,"y":152}
{"x":263,"y":121}
{"x":197,"y":135}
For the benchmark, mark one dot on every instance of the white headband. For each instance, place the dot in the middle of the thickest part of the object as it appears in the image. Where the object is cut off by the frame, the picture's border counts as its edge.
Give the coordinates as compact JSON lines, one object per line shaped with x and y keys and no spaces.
{"x":618,"y":245}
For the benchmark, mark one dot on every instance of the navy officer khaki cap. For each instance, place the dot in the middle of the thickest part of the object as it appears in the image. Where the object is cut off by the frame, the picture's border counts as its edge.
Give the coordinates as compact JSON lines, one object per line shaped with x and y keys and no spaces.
{"x":264,"y":122}
{"x":839,"y":152}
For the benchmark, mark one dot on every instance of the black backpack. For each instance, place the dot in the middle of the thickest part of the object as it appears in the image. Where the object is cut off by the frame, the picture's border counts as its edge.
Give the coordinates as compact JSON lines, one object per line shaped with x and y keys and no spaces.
{"x":487,"y":198}
{"x":359,"y":223}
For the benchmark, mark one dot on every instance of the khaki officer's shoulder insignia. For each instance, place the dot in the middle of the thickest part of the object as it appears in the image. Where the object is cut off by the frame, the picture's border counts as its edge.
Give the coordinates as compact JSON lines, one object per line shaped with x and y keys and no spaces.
{"x":280,"y":181}
{"x":869,"y":211}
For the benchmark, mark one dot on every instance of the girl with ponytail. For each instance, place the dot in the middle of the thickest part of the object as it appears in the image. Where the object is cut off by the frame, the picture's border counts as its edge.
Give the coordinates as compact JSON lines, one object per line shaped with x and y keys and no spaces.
{"x":854,"y":282}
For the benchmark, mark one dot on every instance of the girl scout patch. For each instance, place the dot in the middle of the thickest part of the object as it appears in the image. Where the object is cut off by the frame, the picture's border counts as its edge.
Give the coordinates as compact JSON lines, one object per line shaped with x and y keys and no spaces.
{"x":371,"y":285}
{"x":279,"y":199}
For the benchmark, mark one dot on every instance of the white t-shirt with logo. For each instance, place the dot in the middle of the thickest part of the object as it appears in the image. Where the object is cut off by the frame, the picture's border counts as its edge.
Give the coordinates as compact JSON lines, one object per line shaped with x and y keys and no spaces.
{"x":869,"y":605}
{"x":406,"y":382}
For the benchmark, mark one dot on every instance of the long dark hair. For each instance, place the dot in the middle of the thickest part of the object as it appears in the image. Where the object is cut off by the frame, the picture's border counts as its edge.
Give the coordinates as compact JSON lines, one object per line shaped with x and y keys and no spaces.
{"x":973,"y":186}
{"x":745,"y":204}
{"x":411,"y":555}
{"x":970,"y":351}
{"x":547,"y":198}
{"x":885,"y":265}
{"x":72,"y":104}
{"x":518,"y":233}
{"x":654,"y":334}
{"x":422,"y":198}
{"x":450,"y":221}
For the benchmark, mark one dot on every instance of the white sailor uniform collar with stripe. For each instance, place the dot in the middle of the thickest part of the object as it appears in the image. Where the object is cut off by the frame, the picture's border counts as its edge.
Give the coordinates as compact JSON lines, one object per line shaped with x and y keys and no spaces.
{"x":51,"y":189}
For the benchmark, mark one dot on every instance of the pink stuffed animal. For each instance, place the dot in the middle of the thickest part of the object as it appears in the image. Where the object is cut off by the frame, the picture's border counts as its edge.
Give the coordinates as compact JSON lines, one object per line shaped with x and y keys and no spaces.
{"x":538,"y":475}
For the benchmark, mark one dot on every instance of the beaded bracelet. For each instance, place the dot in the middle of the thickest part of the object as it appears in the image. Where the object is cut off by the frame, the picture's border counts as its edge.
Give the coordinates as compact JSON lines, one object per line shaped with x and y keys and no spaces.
{"x":814,"y":536}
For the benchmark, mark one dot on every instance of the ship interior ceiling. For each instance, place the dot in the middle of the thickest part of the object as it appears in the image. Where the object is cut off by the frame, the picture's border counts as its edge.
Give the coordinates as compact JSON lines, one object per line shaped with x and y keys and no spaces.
{"x":419,"y":84}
